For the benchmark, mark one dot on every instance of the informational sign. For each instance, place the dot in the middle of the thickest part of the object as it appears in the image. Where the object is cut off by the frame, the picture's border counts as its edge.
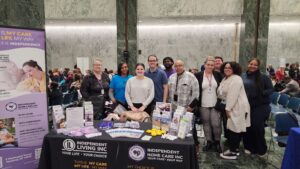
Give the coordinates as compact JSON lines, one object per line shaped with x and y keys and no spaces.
{"x":23,"y":99}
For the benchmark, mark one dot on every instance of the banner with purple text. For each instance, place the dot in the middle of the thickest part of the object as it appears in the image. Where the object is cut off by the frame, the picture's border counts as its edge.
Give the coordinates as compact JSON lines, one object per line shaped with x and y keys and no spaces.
{"x":23,"y":98}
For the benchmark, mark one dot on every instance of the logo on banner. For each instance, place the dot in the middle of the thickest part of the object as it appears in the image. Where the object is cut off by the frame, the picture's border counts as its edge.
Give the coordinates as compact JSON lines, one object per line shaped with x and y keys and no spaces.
{"x":136,"y":153}
{"x":11,"y":106}
{"x":69,"y":145}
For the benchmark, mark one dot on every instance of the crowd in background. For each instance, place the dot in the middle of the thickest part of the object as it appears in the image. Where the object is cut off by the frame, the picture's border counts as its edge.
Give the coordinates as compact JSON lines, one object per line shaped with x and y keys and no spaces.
{"x":218,"y":94}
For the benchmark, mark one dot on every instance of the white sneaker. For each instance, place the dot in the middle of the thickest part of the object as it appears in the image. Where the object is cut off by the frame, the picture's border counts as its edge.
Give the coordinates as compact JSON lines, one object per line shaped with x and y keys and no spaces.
{"x":247,"y":151}
{"x":228,"y":155}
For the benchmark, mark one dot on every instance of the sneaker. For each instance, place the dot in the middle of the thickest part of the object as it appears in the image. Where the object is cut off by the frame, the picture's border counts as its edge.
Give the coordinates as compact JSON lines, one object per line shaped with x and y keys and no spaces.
{"x":247,"y":152}
{"x":229,"y":155}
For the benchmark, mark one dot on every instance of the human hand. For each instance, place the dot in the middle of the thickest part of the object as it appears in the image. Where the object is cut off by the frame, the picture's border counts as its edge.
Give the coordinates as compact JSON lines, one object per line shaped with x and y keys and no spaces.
{"x":189,"y":109}
{"x":228,"y":114}
{"x":142,"y":108}
{"x":134,"y":109}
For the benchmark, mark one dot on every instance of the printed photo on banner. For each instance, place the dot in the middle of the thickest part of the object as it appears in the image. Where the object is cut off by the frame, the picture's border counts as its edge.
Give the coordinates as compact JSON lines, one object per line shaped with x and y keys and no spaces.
{"x":25,"y":76}
{"x":7,"y":133}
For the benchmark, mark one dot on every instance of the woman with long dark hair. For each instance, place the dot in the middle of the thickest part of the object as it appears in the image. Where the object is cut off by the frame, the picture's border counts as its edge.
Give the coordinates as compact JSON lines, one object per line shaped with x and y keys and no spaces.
{"x":118,"y":84}
{"x":258,"y":87}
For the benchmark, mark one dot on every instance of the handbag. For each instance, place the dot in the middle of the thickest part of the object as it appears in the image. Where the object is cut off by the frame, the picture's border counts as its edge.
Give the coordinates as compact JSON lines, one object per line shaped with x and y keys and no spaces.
{"x":220,"y":106}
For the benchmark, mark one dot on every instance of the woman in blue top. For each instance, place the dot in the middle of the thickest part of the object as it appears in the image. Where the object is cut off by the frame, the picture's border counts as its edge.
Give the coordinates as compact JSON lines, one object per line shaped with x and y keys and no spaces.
{"x":118,"y":84}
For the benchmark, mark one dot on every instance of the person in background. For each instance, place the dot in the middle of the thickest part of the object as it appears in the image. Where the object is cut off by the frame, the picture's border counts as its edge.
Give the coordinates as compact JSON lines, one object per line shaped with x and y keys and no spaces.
{"x":139,"y":91}
{"x":118,"y":84}
{"x":231,"y":91}
{"x":279,"y":74}
{"x":218,"y":63}
{"x":168,"y":64}
{"x":294,"y":72}
{"x":271,"y":70}
{"x":54,"y":94}
{"x":209,"y":81}
{"x":291,"y":87}
{"x":35,"y":80}
{"x":95,"y":88}
{"x":159,"y":79}
{"x":258,"y":88}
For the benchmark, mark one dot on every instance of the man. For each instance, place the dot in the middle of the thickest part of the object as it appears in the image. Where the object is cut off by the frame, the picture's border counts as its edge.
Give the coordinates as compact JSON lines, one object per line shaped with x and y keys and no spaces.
{"x":218,"y":63}
{"x":159,"y":79}
{"x":183,"y":86}
{"x":292,"y":87}
{"x":5,"y":137}
{"x":168,"y":64}
{"x":183,"y":90}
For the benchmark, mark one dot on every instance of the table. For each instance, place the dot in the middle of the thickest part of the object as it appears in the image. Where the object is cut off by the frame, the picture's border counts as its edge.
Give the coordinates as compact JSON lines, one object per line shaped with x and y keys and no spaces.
{"x":103,"y":152}
{"x":291,"y":159}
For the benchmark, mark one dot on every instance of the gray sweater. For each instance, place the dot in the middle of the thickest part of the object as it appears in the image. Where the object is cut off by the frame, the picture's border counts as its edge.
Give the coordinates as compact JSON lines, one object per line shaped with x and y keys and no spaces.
{"x":139,"y":91}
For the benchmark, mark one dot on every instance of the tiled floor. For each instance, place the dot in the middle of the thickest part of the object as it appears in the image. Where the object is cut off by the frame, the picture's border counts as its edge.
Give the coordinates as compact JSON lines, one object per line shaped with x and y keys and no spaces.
{"x":211,"y":160}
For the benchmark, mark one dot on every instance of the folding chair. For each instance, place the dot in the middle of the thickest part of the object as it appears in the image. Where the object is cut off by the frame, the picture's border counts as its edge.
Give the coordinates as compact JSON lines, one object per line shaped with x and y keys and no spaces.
{"x":282,"y":103}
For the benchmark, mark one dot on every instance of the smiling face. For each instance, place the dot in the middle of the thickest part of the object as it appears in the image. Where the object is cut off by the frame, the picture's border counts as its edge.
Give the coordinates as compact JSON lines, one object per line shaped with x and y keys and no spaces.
{"x":218,"y":63}
{"x":179,"y":66}
{"x":228,"y":70}
{"x":140,"y":70}
{"x":209,"y":66}
{"x":253,"y":65}
{"x":97,"y":65}
{"x":152,"y":61}
{"x":124,"y":69}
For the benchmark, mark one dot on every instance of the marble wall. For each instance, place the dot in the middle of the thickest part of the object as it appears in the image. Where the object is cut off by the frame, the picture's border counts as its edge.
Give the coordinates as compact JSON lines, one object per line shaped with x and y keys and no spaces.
{"x":80,"y":9}
{"x":26,"y":14}
{"x":163,"y":8}
{"x":189,"y":40}
{"x":76,"y":28}
{"x":285,"y":7}
{"x":67,"y":40}
{"x":284,"y":42}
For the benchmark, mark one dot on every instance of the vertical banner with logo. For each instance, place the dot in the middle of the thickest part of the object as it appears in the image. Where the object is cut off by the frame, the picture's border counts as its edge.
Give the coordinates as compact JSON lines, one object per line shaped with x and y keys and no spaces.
{"x":23,"y":99}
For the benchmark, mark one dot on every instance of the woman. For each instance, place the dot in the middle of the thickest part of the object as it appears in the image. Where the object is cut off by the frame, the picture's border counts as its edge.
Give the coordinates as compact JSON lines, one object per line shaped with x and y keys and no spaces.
{"x":118,"y":84}
{"x":232,"y":93}
{"x":95,"y":88}
{"x":209,"y":81}
{"x":35,"y":80}
{"x":258,"y":88}
{"x":139,"y":91}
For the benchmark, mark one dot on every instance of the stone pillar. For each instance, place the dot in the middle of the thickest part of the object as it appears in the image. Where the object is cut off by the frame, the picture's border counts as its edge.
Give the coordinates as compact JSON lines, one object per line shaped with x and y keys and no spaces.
{"x":254,"y":32}
{"x":27,"y":14}
{"x":131,"y":32}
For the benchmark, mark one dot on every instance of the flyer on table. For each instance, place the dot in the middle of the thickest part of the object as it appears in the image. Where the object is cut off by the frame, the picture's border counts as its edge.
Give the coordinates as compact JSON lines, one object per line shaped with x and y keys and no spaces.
{"x":23,"y":99}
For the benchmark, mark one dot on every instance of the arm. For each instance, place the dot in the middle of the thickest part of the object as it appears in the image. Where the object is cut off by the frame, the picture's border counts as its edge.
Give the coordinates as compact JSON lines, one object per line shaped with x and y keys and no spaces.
{"x":151,"y":94}
{"x":127,"y":93}
{"x":233,"y":93}
{"x":268,"y":86}
{"x":166,"y":89}
{"x":111,"y":95}
{"x":84,"y":88}
{"x":195,"y":89}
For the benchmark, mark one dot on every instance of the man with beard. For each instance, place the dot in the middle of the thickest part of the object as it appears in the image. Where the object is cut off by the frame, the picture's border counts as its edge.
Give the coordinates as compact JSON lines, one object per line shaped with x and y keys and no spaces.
{"x":168,"y":63}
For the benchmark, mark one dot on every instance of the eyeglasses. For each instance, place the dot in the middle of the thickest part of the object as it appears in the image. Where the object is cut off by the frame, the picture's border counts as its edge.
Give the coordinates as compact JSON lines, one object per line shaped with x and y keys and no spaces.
{"x":227,"y":68}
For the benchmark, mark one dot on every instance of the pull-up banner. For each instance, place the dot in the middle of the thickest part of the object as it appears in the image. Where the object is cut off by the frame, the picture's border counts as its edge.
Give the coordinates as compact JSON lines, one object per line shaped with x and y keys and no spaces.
{"x":23,"y":98}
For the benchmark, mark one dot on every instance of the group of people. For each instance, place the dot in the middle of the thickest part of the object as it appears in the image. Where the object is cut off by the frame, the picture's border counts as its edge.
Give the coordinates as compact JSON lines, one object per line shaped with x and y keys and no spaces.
{"x":286,"y":79}
{"x":221,"y":91}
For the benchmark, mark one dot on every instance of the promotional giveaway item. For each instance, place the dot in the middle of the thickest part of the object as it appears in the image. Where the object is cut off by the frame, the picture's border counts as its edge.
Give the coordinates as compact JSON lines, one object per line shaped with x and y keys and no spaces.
{"x":88,"y":114}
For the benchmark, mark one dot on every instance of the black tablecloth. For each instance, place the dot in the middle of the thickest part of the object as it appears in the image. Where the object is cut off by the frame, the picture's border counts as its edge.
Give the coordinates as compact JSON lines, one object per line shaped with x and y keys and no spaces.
{"x":103,"y":152}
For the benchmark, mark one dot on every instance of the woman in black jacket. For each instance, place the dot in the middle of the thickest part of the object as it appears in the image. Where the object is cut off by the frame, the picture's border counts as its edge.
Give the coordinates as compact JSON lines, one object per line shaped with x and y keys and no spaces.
{"x":258,"y":88}
{"x":95,"y":88}
{"x":209,"y":81}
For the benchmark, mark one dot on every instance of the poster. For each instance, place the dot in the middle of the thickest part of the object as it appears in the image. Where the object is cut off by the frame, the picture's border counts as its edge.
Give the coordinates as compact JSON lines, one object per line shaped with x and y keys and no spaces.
{"x":23,"y":99}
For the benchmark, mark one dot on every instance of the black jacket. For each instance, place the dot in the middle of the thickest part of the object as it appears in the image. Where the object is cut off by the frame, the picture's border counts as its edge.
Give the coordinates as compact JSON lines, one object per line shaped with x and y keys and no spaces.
{"x":92,"y":87}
